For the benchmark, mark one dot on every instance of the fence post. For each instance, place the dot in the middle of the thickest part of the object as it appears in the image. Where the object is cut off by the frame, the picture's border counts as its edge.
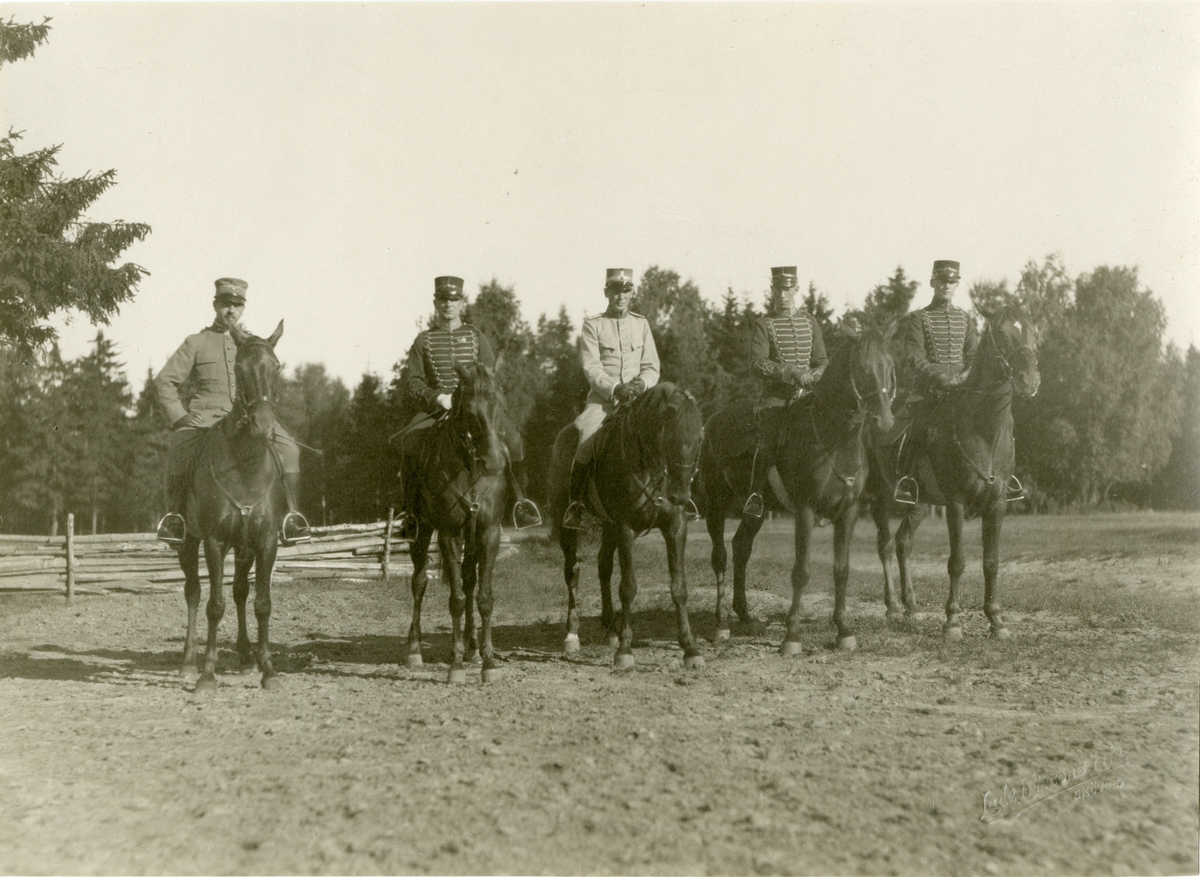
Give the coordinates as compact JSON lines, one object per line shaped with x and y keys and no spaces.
{"x":387,"y":544}
{"x":70,"y":556}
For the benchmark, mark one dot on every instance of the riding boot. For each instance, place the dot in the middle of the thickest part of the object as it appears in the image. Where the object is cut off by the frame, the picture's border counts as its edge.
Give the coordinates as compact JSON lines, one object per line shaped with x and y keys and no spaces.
{"x":294,"y":528}
{"x":525,"y":510}
{"x":573,"y":519}
{"x":172,"y":529}
{"x":755,"y":504}
{"x":907,"y":491}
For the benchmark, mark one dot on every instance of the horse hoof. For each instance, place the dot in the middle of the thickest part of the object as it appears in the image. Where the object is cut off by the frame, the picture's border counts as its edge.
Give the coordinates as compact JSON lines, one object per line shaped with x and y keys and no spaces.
{"x":895,"y":616}
{"x":1000,"y":633}
{"x":693,"y":662}
{"x":189,"y":674}
{"x":952,"y":634}
{"x":272,"y":682}
{"x":572,"y":643}
{"x":490,"y":674}
{"x":614,"y":641}
{"x":415,"y":662}
{"x":206,"y":685}
{"x":473,"y":658}
{"x":457,"y":675}
{"x":847,"y":643}
{"x":790,"y":649}
{"x":622,"y":661}
{"x":722,"y":635}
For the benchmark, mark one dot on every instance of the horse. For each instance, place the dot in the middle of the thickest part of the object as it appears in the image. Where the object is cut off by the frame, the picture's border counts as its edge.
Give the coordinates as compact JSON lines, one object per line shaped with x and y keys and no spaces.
{"x":821,"y":465}
{"x":237,"y":500}
{"x":639,"y":479}
{"x":459,"y":485}
{"x":967,"y":466}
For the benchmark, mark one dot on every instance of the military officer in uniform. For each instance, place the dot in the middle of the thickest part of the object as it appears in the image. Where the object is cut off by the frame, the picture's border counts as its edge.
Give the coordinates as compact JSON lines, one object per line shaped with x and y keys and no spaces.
{"x":429,"y":384}
{"x":620,"y":361}
{"x":207,"y":358}
{"x":938,"y":343}
{"x":787,"y":353}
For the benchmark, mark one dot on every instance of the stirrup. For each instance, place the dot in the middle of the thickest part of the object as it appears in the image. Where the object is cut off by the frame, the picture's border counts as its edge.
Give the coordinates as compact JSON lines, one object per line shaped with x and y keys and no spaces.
{"x":1015,"y":490}
{"x":526,"y":514}
{"x":405,"y":526}
{"x":754,"y":506}
{"x":573,"y":519}
{"x":172,"y":529}
{"x":294,"y":529}
{"x":907,"y":491}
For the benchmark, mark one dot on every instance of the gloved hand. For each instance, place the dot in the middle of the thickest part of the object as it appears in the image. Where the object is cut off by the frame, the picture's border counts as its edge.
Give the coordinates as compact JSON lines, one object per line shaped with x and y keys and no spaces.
{"x":445,"y":400}
{"x":808,"y":379}
{"x":793,"y":374}
{"x":941,"y":381}
{"x":189,"y":419}
{"x":959,"y":379}
{"x":623,"y":393}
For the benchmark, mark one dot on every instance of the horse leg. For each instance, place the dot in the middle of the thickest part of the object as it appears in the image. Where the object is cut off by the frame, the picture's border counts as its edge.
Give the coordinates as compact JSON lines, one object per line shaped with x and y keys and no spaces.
{"x":568,"y":541}
{"x":675,"y":536}
{"x":609,"y":621}
{"x":263,"y":568}
{"x":743,"y":542}
{"x":993,"y":520}
{"x":470,"y":565}
{"x":804,"y":525}
{"x":715,"y":522}
{"x":242,"y":561}
{"x":419,"y":550}
{"x":214,"y":559}
{"x":189,"y":562}
{"x":623,"y":660}
{"x":885,"y":548}
{"x":843,"y":532}
{"x":450,"y":547}
{"x":486,"y":599}
{"x":913,"y":517}
{"x":952,"y":630}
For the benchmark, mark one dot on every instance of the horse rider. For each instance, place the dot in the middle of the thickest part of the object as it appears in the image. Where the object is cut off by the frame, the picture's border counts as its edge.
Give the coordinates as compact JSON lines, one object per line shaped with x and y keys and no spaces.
{"x":429,"y":384}
{"x":938,"y":344}
{"x":620,"y":362}
{"x":206,"y":362}
{"x":787,"y":352}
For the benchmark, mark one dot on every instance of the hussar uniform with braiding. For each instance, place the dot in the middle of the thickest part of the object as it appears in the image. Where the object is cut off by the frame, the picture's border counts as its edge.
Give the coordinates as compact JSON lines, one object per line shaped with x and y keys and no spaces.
{"x":938,"y":344}
{"x":430,"y":374}
{"x":788,"y":355}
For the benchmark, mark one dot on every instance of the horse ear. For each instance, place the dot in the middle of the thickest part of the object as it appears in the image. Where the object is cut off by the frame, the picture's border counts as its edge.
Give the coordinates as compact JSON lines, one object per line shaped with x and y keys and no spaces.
{"x":499,"y":363}
{"x":276,"y":334}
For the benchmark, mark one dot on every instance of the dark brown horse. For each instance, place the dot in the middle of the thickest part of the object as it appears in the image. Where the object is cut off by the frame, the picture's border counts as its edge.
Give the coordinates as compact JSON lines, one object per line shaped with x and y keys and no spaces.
{"x":237,"y":501}
{"x":460,"y":490}
{"x":967,"y":467}
{"x":821,"y":465}
{"x":639,"y":479}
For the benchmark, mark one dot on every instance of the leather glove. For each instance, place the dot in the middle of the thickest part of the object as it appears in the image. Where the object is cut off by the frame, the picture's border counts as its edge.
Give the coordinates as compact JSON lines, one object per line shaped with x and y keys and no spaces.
{"x":808,"y":379}
{"x":942,"y":381}
{"x":959,"y":379}
{"x":445,"y":400}
{"x":793,"y":374}
{"x":623,"y":393}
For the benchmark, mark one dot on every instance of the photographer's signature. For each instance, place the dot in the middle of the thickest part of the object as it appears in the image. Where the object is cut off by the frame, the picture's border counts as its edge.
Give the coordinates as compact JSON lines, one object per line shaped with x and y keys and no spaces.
{"x":1095,"y":774}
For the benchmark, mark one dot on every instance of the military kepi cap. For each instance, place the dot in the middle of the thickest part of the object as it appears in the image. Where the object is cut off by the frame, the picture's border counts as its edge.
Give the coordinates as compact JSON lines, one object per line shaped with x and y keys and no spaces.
{"x":231,"y":287}
{"x":947,"y":267}
{"x":618,"y":277}
{"x":784,"y":277}
{"x":447,"y":287}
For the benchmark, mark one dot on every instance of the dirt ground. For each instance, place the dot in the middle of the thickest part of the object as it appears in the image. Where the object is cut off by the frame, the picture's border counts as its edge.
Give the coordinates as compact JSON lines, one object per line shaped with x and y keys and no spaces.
{"x":1071,"y":748}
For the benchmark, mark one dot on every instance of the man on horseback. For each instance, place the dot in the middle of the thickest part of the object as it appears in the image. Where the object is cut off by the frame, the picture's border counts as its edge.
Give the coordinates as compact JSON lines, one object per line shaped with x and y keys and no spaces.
{"x":429,"y":384}
{"x":938,"y":343}
{"x":206,"y":362}
{"x":620,"y":361}
{"x":788,"y":354}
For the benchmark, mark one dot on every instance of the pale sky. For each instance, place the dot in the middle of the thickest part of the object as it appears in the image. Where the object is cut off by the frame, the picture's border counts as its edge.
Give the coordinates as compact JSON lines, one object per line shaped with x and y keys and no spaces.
{"x":340,"y":156}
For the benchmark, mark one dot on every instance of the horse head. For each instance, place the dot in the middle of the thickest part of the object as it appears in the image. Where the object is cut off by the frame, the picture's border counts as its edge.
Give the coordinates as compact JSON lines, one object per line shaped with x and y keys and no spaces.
{"x":862,"y":374}
{"x":475,"y":406}
{"x":1009,"y":347}
{"x":680,"y":435}
{"x":257,"y":371}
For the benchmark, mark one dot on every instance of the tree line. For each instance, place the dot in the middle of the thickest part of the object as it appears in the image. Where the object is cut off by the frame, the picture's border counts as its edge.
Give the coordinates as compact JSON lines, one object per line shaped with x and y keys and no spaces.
{"x":1117,"y":420}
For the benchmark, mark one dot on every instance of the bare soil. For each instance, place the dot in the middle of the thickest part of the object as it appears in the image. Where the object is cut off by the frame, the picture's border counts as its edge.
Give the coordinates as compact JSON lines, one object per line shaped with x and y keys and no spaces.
{"x":1071,"y":748}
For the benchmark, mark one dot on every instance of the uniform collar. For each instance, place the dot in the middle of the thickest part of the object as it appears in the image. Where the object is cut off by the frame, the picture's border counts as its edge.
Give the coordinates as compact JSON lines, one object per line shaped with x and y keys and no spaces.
{"x":218,"y":328}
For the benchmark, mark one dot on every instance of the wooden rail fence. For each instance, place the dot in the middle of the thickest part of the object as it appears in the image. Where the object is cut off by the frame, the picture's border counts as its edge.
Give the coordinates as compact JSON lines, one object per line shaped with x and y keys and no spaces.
{"x":138,"y":562}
